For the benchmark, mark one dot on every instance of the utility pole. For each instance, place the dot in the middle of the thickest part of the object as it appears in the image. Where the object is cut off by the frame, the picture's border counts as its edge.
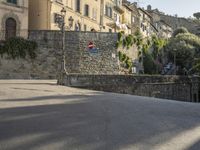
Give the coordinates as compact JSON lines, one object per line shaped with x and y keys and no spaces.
{"x":60,"y":20}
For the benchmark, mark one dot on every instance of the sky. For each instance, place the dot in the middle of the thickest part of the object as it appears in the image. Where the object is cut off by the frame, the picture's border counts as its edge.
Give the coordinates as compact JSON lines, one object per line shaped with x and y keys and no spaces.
{"x":184,"y":8}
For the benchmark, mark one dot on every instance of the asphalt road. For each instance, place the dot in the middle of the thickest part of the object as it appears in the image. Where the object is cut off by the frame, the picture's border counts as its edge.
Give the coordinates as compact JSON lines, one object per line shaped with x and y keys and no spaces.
{"x":39,"y":115}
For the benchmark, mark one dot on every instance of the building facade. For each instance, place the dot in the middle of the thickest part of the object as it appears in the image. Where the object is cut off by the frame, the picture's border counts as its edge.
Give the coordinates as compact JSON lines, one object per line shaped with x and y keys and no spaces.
{"x":135,"y":15}
{"x":163,"y":28}
{"x":127,"y":18}
{"x":111,"y":16}
{"x":146,"y":23}
{"x":13,"y":18}
{"x":81,"y":15}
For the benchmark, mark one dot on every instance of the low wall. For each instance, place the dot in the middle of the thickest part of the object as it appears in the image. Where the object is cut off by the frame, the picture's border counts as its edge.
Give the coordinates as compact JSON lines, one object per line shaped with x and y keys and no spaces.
{"x":167,"y":87}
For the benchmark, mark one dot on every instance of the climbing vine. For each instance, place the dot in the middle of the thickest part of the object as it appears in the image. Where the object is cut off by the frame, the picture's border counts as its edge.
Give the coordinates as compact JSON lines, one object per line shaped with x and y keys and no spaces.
{"x":125,"y":41}
{"x":19,"y":48}
{"x":125,"y":60}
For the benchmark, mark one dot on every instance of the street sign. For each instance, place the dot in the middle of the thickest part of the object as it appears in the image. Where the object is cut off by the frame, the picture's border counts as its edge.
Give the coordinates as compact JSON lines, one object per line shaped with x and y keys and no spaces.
{"x":92,"y":48}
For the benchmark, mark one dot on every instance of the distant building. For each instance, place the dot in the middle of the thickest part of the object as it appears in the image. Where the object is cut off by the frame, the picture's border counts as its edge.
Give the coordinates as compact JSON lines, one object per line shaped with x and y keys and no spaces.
{"x":147,"y":27}
{"x":174,"y":22}
{"x":127,"y":18}
{"x":13,"y":18}
{"x":135,"y":15}
{"x":164,"y":29}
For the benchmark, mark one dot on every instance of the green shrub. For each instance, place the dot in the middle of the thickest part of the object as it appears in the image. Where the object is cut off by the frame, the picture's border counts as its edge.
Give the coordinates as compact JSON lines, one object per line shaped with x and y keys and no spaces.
{"x":19,"y":48}
{"x":179,"y":31}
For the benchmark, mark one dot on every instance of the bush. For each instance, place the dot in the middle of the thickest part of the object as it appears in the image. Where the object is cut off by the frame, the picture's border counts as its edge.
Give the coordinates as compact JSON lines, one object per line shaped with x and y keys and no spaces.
{"x":19,"y":48}
{"x":149,"y":64}
{"x":179,"y":31}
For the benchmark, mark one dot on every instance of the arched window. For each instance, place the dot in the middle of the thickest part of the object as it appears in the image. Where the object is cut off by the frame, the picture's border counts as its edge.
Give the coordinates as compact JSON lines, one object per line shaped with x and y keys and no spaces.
{"x":10,"y":28}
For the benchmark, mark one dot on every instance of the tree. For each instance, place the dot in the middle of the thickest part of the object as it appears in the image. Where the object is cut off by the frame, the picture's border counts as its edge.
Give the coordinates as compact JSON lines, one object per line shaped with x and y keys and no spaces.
{"x":149,"y":63}
{"x":157,"y":45}
{"x":179,"y":31}
{"x":185,"y":47}
{"x":197,"y":15}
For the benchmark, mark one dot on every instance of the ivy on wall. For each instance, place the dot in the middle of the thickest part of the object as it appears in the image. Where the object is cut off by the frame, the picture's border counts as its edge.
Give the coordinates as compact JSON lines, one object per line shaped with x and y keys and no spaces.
{"x":125,"y":60}
{"x":125,"y":41}
{"x":18,"y":47}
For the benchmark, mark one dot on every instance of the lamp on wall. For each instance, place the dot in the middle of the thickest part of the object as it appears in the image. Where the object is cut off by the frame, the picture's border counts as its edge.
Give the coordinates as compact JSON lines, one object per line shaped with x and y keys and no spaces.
{"x":63,"y":12}
{"x":71,"y":21}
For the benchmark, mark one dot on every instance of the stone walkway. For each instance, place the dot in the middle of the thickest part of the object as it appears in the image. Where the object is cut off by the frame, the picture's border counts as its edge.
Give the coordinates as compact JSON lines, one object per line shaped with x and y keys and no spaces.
{"x":39,"y":115}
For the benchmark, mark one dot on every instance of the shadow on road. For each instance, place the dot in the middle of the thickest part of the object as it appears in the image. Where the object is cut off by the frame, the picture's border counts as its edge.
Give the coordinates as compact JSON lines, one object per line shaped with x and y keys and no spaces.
{"x":98,"y":122}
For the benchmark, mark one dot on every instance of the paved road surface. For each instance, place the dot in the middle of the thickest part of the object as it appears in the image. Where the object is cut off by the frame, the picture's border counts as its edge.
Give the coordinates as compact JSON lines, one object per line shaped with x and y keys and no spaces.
{"x":39,"y":115}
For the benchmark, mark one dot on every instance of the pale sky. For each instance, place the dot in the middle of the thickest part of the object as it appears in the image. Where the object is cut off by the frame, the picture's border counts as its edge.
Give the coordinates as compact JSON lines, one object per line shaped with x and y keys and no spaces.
{"x":184,"y":8}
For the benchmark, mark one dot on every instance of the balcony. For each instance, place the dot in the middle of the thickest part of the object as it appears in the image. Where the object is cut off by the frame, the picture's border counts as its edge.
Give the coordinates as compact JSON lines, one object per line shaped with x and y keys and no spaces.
{"x":125,"y":21}
{"x":119,"y":9}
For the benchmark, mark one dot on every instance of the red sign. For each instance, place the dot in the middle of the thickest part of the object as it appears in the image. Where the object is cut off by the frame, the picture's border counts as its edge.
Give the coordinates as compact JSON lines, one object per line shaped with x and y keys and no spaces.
{"x":91,"y":45}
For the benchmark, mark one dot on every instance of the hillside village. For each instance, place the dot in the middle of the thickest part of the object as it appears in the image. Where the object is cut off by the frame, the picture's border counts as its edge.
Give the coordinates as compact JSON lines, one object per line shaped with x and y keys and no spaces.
{"x":142,"y":34}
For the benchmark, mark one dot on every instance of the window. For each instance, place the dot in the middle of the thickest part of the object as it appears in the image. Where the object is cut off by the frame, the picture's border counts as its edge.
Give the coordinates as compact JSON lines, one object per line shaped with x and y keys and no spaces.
{"x":94,"y":14}
{"x":118,"y":2}
{"x":86,"y":13}
{"x":133,"y":19}
{"x":12,"y":1}
{"x":78,"y":5}
{"x":116,"y":17}
{"x":108,"y":10}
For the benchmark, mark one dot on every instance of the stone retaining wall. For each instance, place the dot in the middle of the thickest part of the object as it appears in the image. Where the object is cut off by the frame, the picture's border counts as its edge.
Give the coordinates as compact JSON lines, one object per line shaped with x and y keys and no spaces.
{"x":167,"y":87}
{"x":102,"y":59}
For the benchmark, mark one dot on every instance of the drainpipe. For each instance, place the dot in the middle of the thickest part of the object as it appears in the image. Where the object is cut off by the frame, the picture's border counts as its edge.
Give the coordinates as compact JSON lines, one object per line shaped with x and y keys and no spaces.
{"x":101,"y":14}
{"x":49,"y":5}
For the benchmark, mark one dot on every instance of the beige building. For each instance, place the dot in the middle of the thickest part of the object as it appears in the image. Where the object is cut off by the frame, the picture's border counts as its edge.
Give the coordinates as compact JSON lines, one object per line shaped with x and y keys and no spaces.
{"x":111,"y":16}
{"x":164,"y":29}
{"x":84,"y":14}
{"x":135,"y":17}
{"x":13,"y":18}
{"x":146,"y":23}
{"x":116,"y":16}
{"x":127,"y":18}
{"x":87,"y":15}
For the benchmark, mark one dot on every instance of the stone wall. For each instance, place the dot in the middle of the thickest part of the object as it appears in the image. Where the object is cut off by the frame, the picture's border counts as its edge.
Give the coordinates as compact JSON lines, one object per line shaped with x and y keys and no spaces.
{"x":79,"y":58}
{"x":102,"y":59}
{"x":167,"y":87}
